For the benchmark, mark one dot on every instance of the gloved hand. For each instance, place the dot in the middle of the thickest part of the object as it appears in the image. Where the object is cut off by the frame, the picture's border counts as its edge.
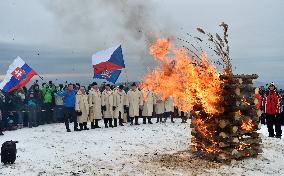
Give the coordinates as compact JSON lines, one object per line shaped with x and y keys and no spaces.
{"x":126,"y":109}
{"x":104,"y":108}
{"x":113,"y":108}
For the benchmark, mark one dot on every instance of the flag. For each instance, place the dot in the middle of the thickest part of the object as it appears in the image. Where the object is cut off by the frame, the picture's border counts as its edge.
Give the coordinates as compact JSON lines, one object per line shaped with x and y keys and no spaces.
{"x":110,"y":76}
{"x":18,"y":75}
{"x":107,"y":64}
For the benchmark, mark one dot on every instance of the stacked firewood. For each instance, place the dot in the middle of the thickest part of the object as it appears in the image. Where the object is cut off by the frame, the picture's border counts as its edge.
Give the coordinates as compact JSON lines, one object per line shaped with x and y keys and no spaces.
{"x":230,"y":134}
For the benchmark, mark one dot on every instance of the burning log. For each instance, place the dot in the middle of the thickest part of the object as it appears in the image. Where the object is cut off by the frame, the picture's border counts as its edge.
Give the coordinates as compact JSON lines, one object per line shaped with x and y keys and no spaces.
{"x":232,"y":135}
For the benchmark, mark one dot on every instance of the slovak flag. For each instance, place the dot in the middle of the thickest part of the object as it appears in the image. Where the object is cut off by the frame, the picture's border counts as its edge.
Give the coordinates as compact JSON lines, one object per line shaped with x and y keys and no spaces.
{"x":107,"y":64}
{"x":18,"y":75}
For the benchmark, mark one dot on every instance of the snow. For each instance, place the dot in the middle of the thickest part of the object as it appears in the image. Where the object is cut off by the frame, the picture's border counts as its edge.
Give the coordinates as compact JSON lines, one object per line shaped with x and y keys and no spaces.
{"x":129,"y":150}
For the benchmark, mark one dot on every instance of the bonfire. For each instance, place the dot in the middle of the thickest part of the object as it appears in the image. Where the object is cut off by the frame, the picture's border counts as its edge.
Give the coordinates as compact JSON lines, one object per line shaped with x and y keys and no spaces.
{"x":225,"y":118}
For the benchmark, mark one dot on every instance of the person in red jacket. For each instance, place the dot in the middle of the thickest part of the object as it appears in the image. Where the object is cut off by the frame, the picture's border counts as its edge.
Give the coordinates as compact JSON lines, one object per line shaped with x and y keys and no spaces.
{"x":272,"y":110}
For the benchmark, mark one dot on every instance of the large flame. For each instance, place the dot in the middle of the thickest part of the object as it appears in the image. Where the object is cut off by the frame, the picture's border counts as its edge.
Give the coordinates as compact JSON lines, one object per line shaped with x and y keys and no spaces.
{"x":188,"y":81}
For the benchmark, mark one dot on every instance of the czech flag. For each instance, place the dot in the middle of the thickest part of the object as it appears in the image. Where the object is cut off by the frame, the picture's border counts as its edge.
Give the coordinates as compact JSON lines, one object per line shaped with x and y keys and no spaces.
{"x":107,"y":64}
{"x":18,"y":75}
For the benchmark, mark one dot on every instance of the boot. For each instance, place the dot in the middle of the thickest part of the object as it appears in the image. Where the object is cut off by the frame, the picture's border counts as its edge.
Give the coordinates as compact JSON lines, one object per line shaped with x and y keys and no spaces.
{"x":77,"y":129}
{"x":81,"y":126}
{"x":92,"y":125}
{"x":97,"y":124}
{"x":144,"y":120}
{"x":165,"y":120}
{"x":114,"y":122}
{"x":136,"y":121}
{"x":110,"y":123}
{"x":161,"y":120}
{"x":158,"y":119}
{"x":183,"y":119}
{"x":149,"y":120}
{"x":105,"y":121}
{"x":172,"y":120}
{"x":1,"y":134}
{"x":85,"y":126}
{"x":120,"y":122}
{"x":68,"y":130}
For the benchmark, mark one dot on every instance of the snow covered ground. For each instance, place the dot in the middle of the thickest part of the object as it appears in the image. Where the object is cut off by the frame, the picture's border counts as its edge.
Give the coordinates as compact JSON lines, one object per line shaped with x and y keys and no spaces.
{"x":158,"y":149}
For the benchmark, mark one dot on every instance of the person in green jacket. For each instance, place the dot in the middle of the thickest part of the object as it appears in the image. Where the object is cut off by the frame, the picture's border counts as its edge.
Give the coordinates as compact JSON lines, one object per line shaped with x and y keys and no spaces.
{"x":47,"y":92}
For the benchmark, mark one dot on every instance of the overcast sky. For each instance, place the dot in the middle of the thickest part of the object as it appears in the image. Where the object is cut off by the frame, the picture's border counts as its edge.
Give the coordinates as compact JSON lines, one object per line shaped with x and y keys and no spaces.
{"x":58,"y":37}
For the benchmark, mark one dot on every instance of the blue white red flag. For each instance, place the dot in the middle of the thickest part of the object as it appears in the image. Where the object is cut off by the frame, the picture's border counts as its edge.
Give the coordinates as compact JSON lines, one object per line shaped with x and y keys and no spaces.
{"x":109,"y":76}
{"x":18,"y":75}
{"x":107,"y":64}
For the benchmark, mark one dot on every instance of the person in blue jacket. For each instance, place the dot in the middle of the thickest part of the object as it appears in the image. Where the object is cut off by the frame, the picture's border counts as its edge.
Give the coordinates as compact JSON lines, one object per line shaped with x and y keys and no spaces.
{"x":69,"y":99}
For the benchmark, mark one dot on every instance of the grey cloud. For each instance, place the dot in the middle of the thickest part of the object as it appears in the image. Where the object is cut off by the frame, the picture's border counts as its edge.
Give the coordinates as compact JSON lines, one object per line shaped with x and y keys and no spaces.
{"x":72,"y":30}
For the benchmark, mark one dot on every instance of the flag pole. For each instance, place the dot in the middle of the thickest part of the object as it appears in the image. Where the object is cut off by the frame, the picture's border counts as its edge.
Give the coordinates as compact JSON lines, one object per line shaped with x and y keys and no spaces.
{"x":40,"y":77}
{"x":126,"y":76}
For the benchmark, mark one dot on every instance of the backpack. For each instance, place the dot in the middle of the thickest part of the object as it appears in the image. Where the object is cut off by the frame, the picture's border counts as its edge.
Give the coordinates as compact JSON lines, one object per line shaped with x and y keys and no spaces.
{"x":8,"y":152}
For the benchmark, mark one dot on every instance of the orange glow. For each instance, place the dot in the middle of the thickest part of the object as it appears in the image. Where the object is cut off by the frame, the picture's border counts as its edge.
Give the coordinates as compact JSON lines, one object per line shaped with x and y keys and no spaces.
{"x":242,"y":146}
{"x":244,"y":100}
{"x":202,"y":127}
{"x":188,"y":81}
{"x":239,"y":113}
{"x":247,"y":125}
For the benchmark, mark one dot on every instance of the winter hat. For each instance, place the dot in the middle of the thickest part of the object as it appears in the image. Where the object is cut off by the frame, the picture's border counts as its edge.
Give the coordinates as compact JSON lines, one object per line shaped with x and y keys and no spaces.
{"x":121,"y":87}
{"x":271,"y":84}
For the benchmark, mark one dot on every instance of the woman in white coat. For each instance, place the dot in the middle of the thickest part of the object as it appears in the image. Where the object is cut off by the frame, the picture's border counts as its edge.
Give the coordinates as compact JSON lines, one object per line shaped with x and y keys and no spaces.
{"x":135,"y":103}
{"x":82,"y":106}
{"x":159,"y":109}
{"x":119,"y":104}
{"x":95,"y":102}
{"x":169,"y":109}
{"x":107,"y":105}
{"x":149,"y":99}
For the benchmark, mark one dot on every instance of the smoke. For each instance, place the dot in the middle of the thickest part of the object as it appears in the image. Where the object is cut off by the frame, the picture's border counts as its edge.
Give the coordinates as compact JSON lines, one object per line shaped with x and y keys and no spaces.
{"x":99,"y":24}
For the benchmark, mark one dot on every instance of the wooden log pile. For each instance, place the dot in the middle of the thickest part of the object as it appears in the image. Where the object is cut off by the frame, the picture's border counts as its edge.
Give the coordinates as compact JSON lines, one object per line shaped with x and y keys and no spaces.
{"x":230,"y":134}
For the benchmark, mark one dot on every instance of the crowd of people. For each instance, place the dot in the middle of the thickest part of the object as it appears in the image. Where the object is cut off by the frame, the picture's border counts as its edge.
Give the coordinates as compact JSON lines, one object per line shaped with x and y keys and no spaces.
{"x":115,"y":105}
